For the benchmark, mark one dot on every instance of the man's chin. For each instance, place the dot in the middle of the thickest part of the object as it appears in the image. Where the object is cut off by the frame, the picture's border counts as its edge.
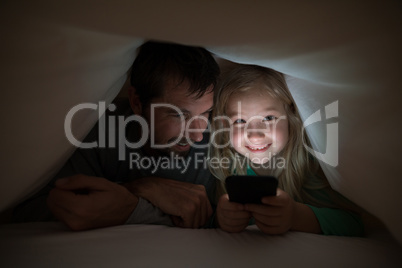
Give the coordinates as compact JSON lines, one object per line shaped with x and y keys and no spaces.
{"x":174,"y":151}
{"x":181,"y":153}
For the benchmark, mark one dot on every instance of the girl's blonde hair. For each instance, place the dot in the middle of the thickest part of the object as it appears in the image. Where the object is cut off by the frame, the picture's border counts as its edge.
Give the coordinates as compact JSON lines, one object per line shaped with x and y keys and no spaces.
{"x":302,"y":172}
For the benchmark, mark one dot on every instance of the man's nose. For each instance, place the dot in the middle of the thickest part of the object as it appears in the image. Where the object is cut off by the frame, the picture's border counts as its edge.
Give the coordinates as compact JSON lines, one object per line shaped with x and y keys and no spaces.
{"x":196,"y":128}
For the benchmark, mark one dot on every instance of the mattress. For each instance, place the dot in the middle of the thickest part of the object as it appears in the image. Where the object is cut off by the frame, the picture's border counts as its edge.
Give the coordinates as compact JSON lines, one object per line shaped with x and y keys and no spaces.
{"x":52,"y":245}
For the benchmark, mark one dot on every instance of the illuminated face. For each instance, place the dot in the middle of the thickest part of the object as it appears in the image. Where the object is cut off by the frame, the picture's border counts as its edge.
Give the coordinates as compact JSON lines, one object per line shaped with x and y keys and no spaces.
{"x":258,"y":123}
{"x":177,"y":119}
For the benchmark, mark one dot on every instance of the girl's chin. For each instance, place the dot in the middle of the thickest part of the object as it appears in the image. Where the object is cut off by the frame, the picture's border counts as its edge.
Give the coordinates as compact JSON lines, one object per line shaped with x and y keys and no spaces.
{"x":258,"y":161}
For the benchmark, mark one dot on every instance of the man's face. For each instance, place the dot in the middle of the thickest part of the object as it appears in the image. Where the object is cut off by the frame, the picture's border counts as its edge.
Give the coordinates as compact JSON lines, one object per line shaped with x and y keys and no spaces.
{"x":177,"y":119}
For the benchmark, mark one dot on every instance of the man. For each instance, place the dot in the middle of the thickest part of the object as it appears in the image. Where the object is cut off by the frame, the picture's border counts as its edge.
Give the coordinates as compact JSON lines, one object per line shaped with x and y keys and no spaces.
{"x":171,"y":98}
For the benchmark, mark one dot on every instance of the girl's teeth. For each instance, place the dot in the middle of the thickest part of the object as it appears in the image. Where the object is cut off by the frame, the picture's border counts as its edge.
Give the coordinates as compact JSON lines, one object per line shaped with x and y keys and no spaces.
{"x":257,"y":148}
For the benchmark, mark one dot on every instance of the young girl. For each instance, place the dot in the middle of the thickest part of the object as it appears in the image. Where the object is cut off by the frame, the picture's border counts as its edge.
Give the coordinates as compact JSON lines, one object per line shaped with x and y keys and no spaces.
{"x":257,"y":128}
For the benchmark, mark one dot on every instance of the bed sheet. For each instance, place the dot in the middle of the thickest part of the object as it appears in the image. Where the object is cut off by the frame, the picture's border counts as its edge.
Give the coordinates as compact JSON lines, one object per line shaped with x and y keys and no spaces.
{"x":52,"y":245}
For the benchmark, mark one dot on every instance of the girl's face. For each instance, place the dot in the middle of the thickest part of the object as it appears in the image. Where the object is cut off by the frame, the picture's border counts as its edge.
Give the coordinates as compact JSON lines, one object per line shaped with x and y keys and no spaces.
{"x":259,"y":127}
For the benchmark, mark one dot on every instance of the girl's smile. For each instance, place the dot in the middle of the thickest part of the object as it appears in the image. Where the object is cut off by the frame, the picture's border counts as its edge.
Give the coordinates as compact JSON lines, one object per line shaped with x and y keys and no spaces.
{"x":258,"y":149}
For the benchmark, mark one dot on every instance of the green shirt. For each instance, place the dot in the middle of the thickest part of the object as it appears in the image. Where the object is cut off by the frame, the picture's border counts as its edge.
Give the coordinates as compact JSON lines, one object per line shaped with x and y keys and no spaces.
{"x":332,"y":221}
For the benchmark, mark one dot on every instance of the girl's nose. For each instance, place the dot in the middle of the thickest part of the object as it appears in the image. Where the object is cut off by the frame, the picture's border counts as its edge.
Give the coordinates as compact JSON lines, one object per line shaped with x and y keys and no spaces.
{"x":255,"y":134}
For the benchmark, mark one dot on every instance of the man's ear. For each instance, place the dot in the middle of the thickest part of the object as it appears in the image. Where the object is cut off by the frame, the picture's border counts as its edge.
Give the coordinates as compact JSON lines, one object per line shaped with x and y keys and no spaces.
{"x":135,"y":102}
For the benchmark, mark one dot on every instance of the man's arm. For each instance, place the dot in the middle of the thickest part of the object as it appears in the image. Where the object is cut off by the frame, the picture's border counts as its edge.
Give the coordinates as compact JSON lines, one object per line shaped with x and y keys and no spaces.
{"x":187,"y":203}
{"x":87,"y":202}
{"x":97,"y":204}
{"x":83,"y":161}
{"x":84,"y":202}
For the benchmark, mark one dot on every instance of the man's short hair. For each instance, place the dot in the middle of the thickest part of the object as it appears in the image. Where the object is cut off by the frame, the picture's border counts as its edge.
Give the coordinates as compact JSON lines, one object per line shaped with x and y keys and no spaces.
{"x":157,"y":63}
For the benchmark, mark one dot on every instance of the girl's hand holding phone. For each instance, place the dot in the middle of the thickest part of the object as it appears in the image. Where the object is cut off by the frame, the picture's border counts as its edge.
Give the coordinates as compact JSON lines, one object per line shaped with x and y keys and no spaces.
{"x":275,"y":214}
{"x":232,"y":217}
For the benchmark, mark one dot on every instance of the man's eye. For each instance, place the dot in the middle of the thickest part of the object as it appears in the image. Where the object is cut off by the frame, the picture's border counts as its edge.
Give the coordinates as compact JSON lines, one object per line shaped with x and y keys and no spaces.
{"x":178,"y":115}
{"x":269,"y":118}
{"x":239,"y":121}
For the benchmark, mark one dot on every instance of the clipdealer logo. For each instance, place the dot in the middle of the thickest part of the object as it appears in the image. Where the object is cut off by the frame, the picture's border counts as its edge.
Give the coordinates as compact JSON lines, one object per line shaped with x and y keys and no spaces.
{"x":122,"y":143}
{"x":330,"y":156}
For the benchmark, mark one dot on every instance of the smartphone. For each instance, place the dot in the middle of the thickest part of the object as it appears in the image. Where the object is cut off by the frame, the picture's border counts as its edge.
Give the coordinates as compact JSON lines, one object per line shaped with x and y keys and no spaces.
{"x":250,"y":189}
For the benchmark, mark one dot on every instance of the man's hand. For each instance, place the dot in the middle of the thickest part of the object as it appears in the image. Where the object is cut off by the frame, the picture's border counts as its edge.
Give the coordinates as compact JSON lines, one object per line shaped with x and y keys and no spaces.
{"x":84,"y":202}
{"x":187,"y":203}
{"x":231,"y":216}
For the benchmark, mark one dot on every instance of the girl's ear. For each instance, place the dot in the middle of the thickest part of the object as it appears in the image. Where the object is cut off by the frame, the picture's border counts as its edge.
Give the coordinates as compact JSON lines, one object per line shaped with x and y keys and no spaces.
{"x":135,"y":102}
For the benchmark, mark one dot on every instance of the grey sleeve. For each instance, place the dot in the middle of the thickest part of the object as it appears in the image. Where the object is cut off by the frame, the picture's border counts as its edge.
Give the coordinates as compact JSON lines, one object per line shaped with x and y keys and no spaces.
{"x":35,"y":207}
{"x":82,"y":161}
{"x":146,"y":213}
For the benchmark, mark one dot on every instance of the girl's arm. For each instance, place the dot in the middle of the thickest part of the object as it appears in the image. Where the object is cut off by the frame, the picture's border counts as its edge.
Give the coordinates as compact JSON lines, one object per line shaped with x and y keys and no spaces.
{"x":340,"y":222}
{"x":335,"y":215}
{"x":279,"y":214}
{"x":304,"y":219}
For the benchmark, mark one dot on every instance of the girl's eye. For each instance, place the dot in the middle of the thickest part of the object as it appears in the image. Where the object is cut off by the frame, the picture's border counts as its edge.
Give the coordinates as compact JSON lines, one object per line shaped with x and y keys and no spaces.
{"x":239,"y":121}
{"x":269,"y":118}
